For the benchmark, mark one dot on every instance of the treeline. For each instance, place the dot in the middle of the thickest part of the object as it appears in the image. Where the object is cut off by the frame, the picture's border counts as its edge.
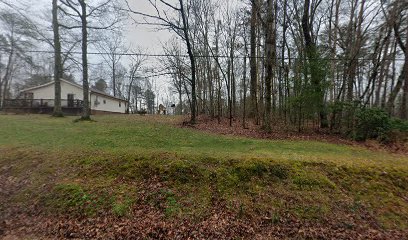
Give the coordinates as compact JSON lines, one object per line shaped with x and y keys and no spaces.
{"x":301,"y":63}
{"x":297,"y":64}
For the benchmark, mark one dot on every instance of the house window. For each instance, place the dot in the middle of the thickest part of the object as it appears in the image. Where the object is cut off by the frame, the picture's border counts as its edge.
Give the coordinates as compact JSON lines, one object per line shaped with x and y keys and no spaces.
{"x":29,"y":95}
{"x":120,"y":104}
{"x":96,"y":103}
{"x":70,"y":98}
{"x":104,"y":101}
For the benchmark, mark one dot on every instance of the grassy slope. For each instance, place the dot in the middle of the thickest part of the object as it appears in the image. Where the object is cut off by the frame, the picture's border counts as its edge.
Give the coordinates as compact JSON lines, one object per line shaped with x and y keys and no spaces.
{"x":114,"y":164}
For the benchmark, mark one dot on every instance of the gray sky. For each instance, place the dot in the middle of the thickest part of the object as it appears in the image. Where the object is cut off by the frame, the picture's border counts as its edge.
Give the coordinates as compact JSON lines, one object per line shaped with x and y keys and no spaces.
{"x":148,"y":38}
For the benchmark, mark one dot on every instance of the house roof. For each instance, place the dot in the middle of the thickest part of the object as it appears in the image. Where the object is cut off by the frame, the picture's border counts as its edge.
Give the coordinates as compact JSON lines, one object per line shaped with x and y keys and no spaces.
{"x":96,"y":91}
{"x":51,"y":83}
{"x":91,"y":90}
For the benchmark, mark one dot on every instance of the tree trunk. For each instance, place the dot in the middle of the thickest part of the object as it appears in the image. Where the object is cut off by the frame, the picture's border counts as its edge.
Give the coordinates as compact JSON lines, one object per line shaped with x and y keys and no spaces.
{"x":270,"y":54}
{"x":316,"y":71}
{"x":86,"y":112}
{"x":233,"y":82}
{"x":404,"y":105}
{"x":7,"y":75}
{"x":244,"y":79}
{"x":402,"y":81}
{"x":192,"y":62}
{"x":58,"y":71}
{"x":228,"y":83}
{"x":253,"y":62}
{"x":132,"y":79}
{"x":383,"y":70}
{"x":114,"y":76}
{"x":180,"y":103}
{"x":217,"y":73}
{"x":1,"y":85}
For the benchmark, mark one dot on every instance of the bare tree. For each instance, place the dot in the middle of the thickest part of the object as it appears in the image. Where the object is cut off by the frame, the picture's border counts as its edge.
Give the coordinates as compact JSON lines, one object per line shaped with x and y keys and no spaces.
{"x":404,"y":74}
{"x":180,"y":26}
{"x":317,"y":73}
{"x":16,"y":38}
{"x":254,"y":111}
{"x":58,"y":68}
{"x":270,"y":54}
{"x":176,"y":68}
{"x":80,"y":11}
{"x":111,"y":46}
{"x":135,"y":66}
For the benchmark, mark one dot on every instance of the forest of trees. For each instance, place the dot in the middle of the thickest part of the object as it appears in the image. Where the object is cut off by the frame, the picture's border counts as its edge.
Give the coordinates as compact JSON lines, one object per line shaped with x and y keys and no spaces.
{"x":301,"y":64}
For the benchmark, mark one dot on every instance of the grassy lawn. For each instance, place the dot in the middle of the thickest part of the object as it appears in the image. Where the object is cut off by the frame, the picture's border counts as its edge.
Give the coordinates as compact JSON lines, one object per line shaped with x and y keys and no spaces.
{"x":119,"y":163}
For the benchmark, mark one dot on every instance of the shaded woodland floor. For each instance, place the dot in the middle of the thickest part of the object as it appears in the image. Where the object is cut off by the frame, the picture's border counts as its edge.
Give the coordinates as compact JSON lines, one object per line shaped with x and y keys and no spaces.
{"x":283,"y":132}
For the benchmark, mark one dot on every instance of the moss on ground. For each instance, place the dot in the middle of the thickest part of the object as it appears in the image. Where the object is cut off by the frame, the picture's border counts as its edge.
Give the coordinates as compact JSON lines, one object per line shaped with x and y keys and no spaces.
{"x":118,"y":163}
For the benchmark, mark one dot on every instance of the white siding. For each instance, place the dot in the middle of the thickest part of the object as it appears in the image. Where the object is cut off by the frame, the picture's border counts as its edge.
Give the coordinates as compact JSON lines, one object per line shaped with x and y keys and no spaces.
{"x":47,"y":92}
{"x":107,"y":104}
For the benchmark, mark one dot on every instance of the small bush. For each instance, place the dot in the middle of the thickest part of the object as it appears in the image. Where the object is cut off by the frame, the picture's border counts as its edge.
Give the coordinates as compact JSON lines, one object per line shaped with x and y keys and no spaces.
{"x":336,"y":113}
{"x":399,"y":125}
{"x":399,"y":130}
{"x":372,"y":123}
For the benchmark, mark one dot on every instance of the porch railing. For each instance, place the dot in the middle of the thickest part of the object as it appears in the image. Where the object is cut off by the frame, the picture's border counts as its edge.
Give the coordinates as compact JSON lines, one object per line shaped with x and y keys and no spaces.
{"x":41,"y":103}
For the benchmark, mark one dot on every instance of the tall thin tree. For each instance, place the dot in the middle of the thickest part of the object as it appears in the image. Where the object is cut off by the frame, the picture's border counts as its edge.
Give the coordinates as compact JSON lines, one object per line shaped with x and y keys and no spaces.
{"x":58,"y":71}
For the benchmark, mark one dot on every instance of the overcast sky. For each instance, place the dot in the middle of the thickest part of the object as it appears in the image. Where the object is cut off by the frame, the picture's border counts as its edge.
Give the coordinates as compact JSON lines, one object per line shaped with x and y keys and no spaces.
{"x":148,"y":38}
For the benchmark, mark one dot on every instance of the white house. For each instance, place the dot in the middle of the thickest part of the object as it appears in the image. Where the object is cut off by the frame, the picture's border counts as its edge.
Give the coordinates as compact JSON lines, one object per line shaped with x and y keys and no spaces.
{"x":42,"y":97}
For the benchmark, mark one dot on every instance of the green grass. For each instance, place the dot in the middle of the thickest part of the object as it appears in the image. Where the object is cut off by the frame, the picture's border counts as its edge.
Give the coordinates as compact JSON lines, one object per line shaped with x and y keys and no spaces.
{"x":119,"y":162}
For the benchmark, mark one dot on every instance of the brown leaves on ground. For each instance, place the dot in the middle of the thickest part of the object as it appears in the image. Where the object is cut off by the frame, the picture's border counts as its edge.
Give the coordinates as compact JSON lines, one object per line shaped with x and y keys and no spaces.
{"x":148,"y":223}
{"x":282,"y":132}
